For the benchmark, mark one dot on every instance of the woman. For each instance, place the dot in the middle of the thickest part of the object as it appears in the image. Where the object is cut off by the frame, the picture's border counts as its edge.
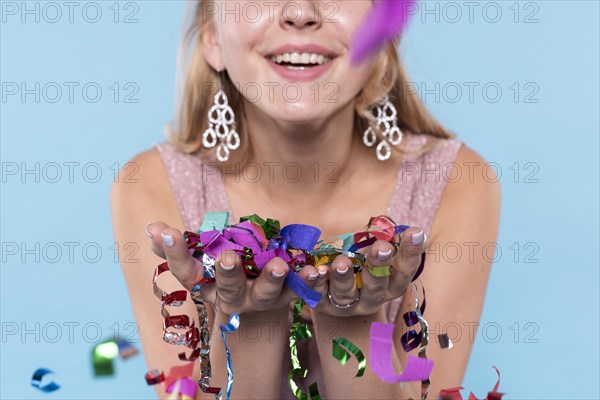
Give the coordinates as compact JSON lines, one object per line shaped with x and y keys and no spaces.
{"x":304,"y":154}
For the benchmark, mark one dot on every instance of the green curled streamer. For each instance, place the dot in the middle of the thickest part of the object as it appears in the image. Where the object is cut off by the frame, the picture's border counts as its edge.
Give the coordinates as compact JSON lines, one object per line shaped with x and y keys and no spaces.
{"x":300,"y":331}
{"x":270,"y":226}
{"x":342,"y":355}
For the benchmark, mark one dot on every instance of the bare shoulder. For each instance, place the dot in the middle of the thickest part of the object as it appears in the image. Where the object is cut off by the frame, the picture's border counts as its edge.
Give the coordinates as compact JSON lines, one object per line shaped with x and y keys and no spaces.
{"x":472,"y":193}
{"x":474,"y":178}
{"x":142,"y":178}
{"x":141,"y":175}
{"x":142,"y":192}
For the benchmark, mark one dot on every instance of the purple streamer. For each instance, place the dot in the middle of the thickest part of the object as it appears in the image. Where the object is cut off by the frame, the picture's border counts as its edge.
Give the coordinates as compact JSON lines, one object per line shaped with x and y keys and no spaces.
{"x":263,"y":257}
{"x":300,"y":236}
{"x":410,"y":318}
{"x":298,"y":286}
{"x":400,"y":228}
{"x":383,"y":23}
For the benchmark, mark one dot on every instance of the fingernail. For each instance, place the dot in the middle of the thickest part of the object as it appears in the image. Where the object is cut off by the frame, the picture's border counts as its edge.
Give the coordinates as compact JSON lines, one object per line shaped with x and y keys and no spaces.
{"x":342,"y":271}
{"x":417,"y":238}
{"x":384,"y":255}
{"x":227,"y":267}
{"x":312,"y":277}
{"x":276,"y":275}
{"x":147,"y":231}
{"x":167,"y":240}
{"x":322,"y":273}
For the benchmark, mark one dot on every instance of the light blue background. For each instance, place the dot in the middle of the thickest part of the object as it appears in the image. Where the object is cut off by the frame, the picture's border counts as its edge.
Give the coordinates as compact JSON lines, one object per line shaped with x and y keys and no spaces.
{"x":558,"y":54}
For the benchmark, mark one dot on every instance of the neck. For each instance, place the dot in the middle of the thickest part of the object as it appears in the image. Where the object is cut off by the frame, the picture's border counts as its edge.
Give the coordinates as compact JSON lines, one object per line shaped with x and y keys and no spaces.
{"x":300,"y":161}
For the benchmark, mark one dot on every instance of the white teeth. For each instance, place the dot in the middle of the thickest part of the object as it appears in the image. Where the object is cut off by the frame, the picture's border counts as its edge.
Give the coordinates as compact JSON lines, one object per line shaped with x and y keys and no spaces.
{"x":301,"y":58}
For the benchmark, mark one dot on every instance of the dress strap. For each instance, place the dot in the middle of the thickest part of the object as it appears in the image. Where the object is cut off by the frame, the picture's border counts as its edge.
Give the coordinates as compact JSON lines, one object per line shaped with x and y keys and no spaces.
{"x":196,"y":184}
{"x":425,"y":171}
{"x":437,"y":167}
{"x":184,"y":174}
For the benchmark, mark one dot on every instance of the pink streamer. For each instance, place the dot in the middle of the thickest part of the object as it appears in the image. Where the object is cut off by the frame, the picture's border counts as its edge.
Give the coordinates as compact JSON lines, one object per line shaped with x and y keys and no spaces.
{"x":187,"y":387}
{"x":381,"y":348}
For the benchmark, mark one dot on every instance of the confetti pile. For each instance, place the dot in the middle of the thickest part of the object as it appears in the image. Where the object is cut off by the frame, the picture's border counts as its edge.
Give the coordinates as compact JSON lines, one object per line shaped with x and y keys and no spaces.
{"x":257,"y":241}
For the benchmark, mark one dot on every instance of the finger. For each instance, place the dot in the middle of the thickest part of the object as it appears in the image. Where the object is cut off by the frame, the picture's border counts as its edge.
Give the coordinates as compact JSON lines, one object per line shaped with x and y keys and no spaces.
{"x":207,"y":293}
{"x":321,"y":284}
{"x":309,"y":274}
{"x":231,"y":279}
{"x":182,"y":265}
{"x":375,"y":276}
{"x":153,"y":230}
{"x":342,"y":284}
{"x":266,"y":289}
{"x":407,"y":260}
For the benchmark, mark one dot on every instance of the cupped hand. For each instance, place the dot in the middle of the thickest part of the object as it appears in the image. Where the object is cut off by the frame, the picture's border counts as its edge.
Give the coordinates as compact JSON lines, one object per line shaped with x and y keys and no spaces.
{"x":232,"y":291}
{"x":340,"y":288}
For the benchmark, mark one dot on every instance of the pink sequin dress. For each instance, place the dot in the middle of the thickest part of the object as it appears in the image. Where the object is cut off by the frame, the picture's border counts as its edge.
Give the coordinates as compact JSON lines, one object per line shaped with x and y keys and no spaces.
{"x":420,"y":182}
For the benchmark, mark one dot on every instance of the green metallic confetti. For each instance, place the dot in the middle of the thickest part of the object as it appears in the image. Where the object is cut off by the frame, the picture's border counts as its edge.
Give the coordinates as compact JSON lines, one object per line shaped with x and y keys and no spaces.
{"x":104,"y":353}
{"x":342,"y":355}
{"x":380,"y":272}
{"x":271,"y":227}
{"x":300,"y":331}
{"x":102,"y":358}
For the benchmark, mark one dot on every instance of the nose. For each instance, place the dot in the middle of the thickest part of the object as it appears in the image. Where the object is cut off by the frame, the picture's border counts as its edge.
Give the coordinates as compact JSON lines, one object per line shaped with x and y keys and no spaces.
{"x":303,"y":14}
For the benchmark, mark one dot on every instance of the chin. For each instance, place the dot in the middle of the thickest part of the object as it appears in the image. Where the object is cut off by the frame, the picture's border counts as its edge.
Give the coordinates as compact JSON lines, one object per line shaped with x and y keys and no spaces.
{"x":302,"y":113}
{"x":299,"y":117}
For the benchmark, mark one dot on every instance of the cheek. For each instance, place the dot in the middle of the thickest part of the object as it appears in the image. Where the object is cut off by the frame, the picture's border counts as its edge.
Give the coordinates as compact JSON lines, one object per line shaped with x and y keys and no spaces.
{"x":237,"y":41}
{"x":349,"y":15}
{"x":355,"y":77}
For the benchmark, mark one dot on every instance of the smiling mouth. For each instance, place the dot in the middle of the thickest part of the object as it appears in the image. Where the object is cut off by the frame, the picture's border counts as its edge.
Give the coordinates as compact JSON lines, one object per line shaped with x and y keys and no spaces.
{"x":300,"y":60}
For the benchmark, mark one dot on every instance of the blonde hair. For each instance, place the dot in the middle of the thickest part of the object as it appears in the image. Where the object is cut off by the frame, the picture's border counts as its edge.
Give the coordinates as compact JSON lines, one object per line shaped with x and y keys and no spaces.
{"x":387,"y":78}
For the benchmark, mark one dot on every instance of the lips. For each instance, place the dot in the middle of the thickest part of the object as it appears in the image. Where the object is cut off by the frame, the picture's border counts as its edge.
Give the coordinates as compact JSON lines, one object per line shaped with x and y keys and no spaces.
{"x":302,"y":63}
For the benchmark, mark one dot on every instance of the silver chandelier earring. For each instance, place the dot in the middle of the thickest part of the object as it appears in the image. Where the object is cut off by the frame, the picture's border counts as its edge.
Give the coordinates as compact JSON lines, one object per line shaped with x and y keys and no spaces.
{"x":221,"y":131}
{"x":387,"y":124}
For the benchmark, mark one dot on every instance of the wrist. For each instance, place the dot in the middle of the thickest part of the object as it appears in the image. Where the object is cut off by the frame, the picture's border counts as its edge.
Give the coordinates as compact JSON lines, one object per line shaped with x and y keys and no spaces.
{"x":257,"y":352}
{"x":350,"y":325}
{"x":257,"y":327}
{"x":348,"y":318}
